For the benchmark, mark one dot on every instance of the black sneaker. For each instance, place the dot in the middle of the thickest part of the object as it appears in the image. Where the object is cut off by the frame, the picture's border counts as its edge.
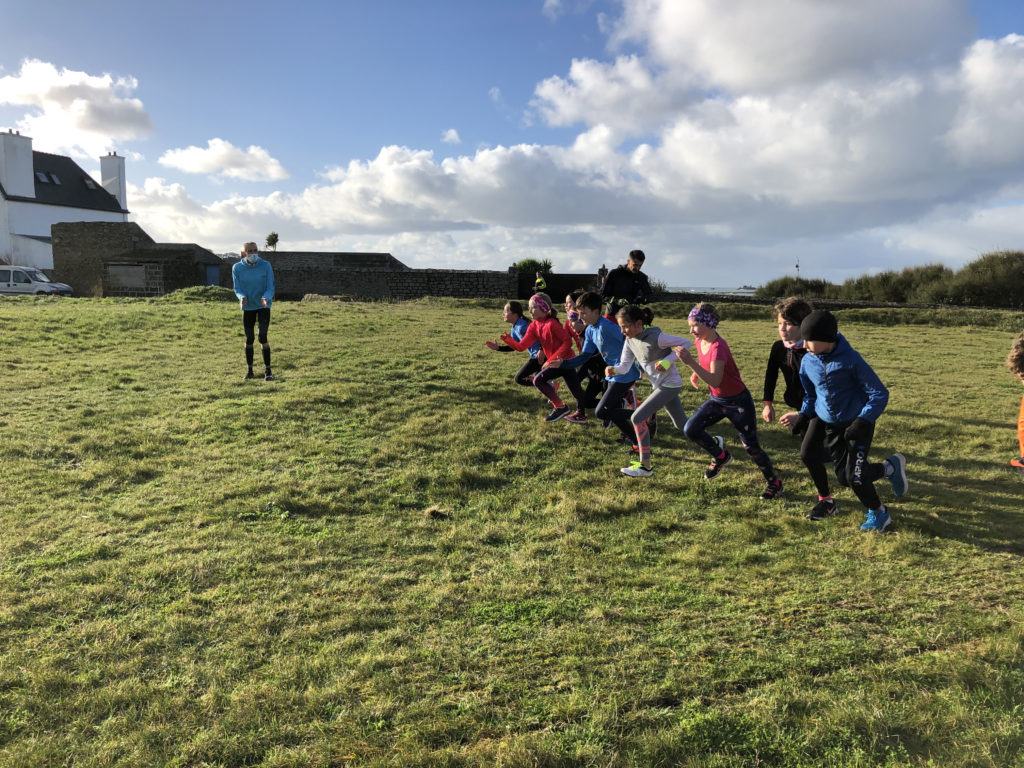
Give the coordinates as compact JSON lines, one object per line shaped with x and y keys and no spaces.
{"x":269,"y":376}
{"x":823,"y":509}
{"x":717,"y":465}
{"x":249,"y":375}
{"x":557,"y":413}
{"x":772,"y":490}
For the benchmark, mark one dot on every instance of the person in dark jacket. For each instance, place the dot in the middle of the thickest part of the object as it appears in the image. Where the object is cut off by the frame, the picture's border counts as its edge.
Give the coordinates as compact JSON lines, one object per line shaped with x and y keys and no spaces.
{"x":626,"y":285}
{"x":785,"y":357}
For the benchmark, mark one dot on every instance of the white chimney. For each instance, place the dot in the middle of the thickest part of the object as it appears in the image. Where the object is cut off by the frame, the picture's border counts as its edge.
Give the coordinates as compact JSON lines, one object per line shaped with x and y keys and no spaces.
{"x":16,"y":164}
{"x":112,"y":177}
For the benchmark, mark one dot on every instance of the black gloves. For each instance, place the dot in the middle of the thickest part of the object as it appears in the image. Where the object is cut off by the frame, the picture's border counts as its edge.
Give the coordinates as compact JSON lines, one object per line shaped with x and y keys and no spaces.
{"x":860,"y":431}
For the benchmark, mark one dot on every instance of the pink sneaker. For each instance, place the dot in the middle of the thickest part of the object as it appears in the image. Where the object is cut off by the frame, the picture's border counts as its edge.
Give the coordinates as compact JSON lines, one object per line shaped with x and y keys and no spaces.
{"x":577,"y":417}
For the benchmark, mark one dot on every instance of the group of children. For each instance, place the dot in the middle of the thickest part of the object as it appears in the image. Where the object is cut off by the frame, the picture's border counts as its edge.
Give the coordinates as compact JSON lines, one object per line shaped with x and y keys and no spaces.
{"x":836,"y":396}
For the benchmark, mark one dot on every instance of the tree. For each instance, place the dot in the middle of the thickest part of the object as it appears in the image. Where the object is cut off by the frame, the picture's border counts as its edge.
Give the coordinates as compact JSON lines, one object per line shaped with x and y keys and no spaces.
{"x":533,"y":265}
{"x":272,"y":241}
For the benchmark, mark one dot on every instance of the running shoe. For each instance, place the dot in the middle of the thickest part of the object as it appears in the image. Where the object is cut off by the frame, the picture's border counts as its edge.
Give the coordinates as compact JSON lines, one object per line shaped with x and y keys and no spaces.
{"x":824,"y":508}
{"x":577,"y":417}
{"x":717,"y":465}
{"x":1018,"y":464}
{"x":269,"y":376}
{"x":557,"y":413}
{"x":636,"y":469}
{"x":772,"y":490}
{"x":898,"y":478}
{"x":876,"y":521}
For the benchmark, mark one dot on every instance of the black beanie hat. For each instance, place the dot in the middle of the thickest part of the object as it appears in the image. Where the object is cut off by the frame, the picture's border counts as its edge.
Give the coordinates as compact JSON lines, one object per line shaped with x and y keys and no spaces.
{"x":820,"y":325}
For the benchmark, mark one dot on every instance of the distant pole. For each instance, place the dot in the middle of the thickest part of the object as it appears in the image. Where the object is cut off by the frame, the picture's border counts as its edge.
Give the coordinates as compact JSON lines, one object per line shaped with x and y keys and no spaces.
{"x":798,"y":266}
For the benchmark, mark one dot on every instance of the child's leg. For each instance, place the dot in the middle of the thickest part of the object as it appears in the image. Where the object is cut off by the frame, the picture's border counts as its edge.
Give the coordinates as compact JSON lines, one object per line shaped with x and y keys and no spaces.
{"x":542,"y":381}
{"x":610,"y":407}
{"x":854,"y":470}
{"x":710,"y":412}
{"x":639,"y":418}
{"x":812,"y":454}
{"x":674,"y":409}
{"x":530,"y":369}
{"x":741,"y":413}
{"x":1020,"y":427}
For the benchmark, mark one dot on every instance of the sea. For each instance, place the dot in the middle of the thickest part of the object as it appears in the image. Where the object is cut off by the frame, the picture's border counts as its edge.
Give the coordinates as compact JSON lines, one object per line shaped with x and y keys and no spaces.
{"x":744,"y":290}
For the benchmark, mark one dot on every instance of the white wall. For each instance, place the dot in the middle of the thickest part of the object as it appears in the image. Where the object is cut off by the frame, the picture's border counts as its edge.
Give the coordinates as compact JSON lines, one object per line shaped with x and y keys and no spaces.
{"x":35,"y":219}
{"x":16,"y":173}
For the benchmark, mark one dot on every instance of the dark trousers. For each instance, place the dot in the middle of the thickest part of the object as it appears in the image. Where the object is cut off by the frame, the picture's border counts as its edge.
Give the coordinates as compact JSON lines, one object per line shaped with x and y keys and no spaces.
{"x":850,"y":459}
{"x":613,"y":408}
{"x":740,"y":411}
{"x":530,"y":369}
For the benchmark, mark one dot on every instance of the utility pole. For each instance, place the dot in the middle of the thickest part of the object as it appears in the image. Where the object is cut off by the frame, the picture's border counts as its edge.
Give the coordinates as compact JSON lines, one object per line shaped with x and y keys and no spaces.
{"x":798,"y":267}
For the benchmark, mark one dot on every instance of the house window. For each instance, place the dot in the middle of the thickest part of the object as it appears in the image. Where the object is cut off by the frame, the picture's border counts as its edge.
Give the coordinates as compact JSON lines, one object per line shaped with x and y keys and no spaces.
{"x":89,"y":182}
{"x":55,"y":178}
{"x":42,"y":177}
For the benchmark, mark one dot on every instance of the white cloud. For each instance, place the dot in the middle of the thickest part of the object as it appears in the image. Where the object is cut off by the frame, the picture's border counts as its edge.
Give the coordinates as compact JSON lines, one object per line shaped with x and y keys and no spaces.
{"x":73,"y":112}
{"x":223,"y":158}
{"x":738,"y":137}
{"x":745,"y":45}
{"x":451,"y":136}
{"x":553,"y":9}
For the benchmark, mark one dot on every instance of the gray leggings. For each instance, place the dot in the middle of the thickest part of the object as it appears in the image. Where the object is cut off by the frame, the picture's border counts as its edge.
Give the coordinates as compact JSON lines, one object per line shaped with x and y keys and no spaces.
{"x":667,"y":398}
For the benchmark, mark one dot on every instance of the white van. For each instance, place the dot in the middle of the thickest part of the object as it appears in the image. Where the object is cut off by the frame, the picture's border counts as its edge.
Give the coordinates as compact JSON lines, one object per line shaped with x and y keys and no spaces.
{"x":29,"y":280}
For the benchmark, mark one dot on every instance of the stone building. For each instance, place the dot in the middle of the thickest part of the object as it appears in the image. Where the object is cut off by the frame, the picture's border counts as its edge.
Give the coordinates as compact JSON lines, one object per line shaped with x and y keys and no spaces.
{"x":120,"y":259}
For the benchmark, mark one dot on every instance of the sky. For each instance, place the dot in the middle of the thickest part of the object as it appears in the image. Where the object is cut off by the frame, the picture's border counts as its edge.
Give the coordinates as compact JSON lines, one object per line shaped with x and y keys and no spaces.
{"x":734,"y":141}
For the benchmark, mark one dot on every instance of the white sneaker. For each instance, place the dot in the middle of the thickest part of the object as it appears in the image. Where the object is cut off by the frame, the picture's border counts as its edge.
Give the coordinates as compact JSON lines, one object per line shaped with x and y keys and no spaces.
{"x":636,"y":469}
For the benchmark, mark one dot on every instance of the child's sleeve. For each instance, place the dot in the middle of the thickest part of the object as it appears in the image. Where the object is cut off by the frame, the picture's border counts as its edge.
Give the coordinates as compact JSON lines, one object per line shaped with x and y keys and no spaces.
{"x":588,"y":351}
{"x":529,"y":338}
{"x":771,"y":375}
{"x":564,"y":340}
{"x":877,"y":394}
{"x":625,"y":360}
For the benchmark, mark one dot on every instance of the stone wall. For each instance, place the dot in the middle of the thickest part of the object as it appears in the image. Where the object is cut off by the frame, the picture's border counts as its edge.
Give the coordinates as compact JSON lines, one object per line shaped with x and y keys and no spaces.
{"x":79,"y":250}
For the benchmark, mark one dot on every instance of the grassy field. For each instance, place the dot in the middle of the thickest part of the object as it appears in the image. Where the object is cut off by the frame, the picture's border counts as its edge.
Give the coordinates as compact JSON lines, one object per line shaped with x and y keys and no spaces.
{"x":386,"y":558}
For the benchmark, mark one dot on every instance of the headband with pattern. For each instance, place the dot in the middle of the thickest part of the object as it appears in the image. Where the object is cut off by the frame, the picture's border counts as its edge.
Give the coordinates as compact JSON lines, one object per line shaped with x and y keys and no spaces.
{"x":703,"y":316}
{"x":540,"y":304}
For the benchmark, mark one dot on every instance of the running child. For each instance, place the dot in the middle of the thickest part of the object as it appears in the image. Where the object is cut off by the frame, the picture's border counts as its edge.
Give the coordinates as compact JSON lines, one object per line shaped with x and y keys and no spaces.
{"x":513,"y":313}
{"x":652,"y":351}
{"x":785,"y":357}
{"x":730,"y":399}
{"x":603,"y":340}
{"x":1015,"y":362}
{"x":555,"y":344}
{"x":843,"y":398}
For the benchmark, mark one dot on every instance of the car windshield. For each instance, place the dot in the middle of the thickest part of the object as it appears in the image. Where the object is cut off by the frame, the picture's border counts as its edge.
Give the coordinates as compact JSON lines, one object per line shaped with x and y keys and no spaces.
{"x":38,"y":276}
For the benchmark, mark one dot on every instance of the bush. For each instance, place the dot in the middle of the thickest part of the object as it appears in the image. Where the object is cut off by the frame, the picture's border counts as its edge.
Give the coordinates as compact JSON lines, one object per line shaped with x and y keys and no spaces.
{"x":198,"y":293}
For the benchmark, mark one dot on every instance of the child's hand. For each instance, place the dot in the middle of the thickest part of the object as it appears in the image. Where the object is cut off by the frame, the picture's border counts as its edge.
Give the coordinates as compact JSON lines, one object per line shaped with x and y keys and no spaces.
{"x":491,"y":345}
{"x":555,"y":362}
{"x":695,"y":380}
{"x":609,"y":372}
{"x":683,"y":353}
{"x":663,"y":365}
{"x":768,"y":413}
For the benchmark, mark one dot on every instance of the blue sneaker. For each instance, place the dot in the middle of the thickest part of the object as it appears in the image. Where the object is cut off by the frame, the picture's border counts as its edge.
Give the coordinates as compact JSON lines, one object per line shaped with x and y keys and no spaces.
{"x":877,"y":521}
{"x":898,"y":478}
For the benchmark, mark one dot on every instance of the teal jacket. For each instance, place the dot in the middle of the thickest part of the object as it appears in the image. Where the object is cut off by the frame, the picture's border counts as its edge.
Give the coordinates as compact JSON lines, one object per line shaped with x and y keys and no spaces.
{"x":253,"y":283}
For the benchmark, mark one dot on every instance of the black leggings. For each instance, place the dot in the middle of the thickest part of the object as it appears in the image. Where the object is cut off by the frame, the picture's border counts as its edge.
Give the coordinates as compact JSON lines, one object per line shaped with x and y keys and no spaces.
{"x":249,"y":318}
{"x":851,"y":460}
{"x":530,"y":369}
{"x":613,"y":408}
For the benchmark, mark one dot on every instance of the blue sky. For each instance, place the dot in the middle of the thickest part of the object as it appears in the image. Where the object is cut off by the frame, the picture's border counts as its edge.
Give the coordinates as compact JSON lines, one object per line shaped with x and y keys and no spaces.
{"x":727,"y":138}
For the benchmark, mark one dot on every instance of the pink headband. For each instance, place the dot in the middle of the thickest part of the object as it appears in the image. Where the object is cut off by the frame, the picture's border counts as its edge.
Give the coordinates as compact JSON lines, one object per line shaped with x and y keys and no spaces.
{"x":540,"y":304}
{"x":701,"y":316}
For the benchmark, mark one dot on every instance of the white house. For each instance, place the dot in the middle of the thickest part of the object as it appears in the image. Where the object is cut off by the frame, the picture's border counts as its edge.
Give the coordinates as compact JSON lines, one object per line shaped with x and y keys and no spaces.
{"x":38,"y":190}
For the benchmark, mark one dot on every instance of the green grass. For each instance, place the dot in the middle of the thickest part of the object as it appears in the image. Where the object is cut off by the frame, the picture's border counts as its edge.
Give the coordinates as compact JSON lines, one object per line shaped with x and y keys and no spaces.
{"x":385,"y":558}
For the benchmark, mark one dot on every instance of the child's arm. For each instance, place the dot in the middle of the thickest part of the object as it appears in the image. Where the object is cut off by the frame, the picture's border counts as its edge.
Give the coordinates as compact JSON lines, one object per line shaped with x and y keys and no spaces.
{"x":498,"y":347}
{"x":624,"y":364}
{"x":771,"y":378}
{"x":711,"y":377}
{"x":877,"y":394}
{"x":528,"y":340}
{"x":588,"y":351}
